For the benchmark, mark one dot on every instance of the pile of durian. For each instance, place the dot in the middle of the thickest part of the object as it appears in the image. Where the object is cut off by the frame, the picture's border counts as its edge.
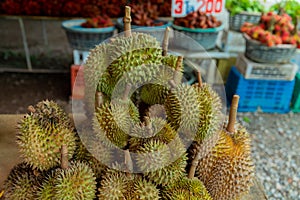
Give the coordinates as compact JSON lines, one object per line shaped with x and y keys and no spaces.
{"x":147,"y":135}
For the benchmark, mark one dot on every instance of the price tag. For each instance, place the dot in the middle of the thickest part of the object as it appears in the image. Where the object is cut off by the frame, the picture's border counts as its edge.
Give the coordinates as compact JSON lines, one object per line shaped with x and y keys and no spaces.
{"x":181,"y":8}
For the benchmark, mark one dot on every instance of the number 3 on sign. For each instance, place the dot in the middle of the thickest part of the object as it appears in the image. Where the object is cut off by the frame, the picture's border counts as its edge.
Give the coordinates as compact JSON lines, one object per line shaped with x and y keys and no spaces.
{"x":179,"y":7}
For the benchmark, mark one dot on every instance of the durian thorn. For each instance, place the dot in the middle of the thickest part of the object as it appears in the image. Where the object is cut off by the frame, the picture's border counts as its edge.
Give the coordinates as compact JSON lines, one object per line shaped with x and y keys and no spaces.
{"x":31,"y":109}
{"x":199,"y":79}
{"x":126,"y":92}
{"x":99,"y":98}
{"x":177,"y":72}
{"x":127,"y":21}
{"x":128,"y":163}
{"x":172,"y":84}
{"x":64,"y":157}
{"x":165,"y":42}
{"x":232,"y":113}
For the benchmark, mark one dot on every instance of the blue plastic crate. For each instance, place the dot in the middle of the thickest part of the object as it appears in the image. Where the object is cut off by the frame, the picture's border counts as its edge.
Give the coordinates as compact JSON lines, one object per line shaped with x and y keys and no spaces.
{"x":272,"y":96}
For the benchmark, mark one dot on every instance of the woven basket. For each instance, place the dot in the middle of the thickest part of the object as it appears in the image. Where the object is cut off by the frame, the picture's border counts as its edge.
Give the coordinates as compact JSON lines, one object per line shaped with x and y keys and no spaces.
{"x":258,"y":52}
{"x":120,"y":25}
{"x":236,"y":21}
{"x":207,"y":38}
{"x":85,"y":38}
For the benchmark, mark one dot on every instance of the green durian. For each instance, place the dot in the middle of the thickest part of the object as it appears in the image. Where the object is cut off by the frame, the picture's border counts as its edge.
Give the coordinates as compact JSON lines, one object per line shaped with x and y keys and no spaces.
{"x":186,"y":188}
{"x":114,"y":185}
{"x":155,"y":128}
{"x":113,"y":121}
{"x":152,"y":155}
{"x":21,"y":183}
{"x":45,"y":189}
{"x":40,"y":136}
{"x":144,"y":190}
{"x":75,"y":182}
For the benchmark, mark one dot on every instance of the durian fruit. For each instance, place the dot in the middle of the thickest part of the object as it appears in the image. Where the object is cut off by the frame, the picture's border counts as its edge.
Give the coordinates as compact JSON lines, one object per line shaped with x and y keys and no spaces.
{"x":153,"y":128}
{"x":155,"y":93}
{"x":118,"y":185}
{"x":42,"y":132}
{"x":227,"y":171}
{"x":73,"y":180}
{"x":112,"y":121}
{"x":186,"y":188}
{"x":91,"y":150}
{"x":21,"y":183}
{"x":160,"y":162}
{"x":194,"y":110}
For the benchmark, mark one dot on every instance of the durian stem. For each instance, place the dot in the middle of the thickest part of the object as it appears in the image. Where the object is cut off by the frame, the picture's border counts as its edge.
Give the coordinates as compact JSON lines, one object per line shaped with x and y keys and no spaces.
{"x":64,"y":157}
{"x":232,"y":113}
{"x":126,"y":92}
{"x":177,"y":72}
{"x":31,"y":109}
{"x":172,"y":83}
{"x":128,"y":163}
{"x":195,"y":162}
{"x":99,"y":99}
{"x":148,"y":125}
{"x":199,"y":79}
{"x":165,"y":42}
{"x":127,"y":21}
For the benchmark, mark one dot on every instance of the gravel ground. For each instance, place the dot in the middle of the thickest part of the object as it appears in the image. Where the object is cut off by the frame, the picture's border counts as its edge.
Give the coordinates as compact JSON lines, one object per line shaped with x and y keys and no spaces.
{"x":276,"y":152}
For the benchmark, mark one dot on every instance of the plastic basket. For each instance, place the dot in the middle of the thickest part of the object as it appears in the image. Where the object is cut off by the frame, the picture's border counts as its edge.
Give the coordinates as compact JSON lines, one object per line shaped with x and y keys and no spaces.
{"x":295,"y":105}
{"x":85,"y":38}
{"x":266,"y":71}
{"x":258,"y":52}
{"x":120,"y":25}
{"x":207,"y":38}
{"x":236,"y":21}
{"x":271,"y":96}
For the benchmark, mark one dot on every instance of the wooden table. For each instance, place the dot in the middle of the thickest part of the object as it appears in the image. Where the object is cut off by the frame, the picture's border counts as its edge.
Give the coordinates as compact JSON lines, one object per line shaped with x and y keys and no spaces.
{"x":9,"y":155}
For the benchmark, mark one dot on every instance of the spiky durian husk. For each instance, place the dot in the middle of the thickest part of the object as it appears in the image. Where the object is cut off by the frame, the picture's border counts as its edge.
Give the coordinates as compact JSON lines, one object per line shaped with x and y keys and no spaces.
{"x":182,"y":108}
{"x":40,"y":145}
{"x":152,"y":155}
{"x":114,"y":185}
{"x":21,"y":183}
{"x":45,"y":189}
{"x":144,"y":190}
{"x":75,"y":182}
{"x":186,"y":189}
{"x":159,"y":130}
{"x":49,"y":112}
{"x":156,"y":92}
{"x":210,"y":112}
{"x":113,"y":121}
{"x":227,"y":171}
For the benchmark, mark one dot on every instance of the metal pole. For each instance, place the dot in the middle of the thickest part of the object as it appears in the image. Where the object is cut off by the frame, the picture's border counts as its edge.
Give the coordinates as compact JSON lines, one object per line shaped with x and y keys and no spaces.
{"x":24,"y":38}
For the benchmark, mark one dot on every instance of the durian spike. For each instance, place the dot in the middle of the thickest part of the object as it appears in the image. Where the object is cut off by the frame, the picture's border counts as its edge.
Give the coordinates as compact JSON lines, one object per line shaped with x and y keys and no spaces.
{"x":128,"y":163}
{"x":31,"y":109}
{"x":99,"y":99}
{"x":127,"y":21}
{"x":177,"y":72}
{"x":232,"y":113}
{"x":126,"y":92}
{"x":199,"y":79}
{"x":165,"y":42}
{"x":64,"y":157}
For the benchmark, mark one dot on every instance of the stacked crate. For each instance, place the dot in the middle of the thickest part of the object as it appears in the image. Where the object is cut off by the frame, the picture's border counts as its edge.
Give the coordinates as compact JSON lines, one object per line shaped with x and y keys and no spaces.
{"x":261,"y":86}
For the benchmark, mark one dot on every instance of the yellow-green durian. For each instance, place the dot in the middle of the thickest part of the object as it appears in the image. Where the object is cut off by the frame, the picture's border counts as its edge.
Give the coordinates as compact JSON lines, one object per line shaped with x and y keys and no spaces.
{"x":21,"y":183}
{"x":40,"y":136}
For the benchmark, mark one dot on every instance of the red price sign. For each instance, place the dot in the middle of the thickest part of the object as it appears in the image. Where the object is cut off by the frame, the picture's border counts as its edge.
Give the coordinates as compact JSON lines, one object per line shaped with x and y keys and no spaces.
{"x":181,"y":8}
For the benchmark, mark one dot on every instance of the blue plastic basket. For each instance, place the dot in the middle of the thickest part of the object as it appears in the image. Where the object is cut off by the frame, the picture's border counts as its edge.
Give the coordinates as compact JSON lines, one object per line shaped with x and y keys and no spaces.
{"x":271,"y":96}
